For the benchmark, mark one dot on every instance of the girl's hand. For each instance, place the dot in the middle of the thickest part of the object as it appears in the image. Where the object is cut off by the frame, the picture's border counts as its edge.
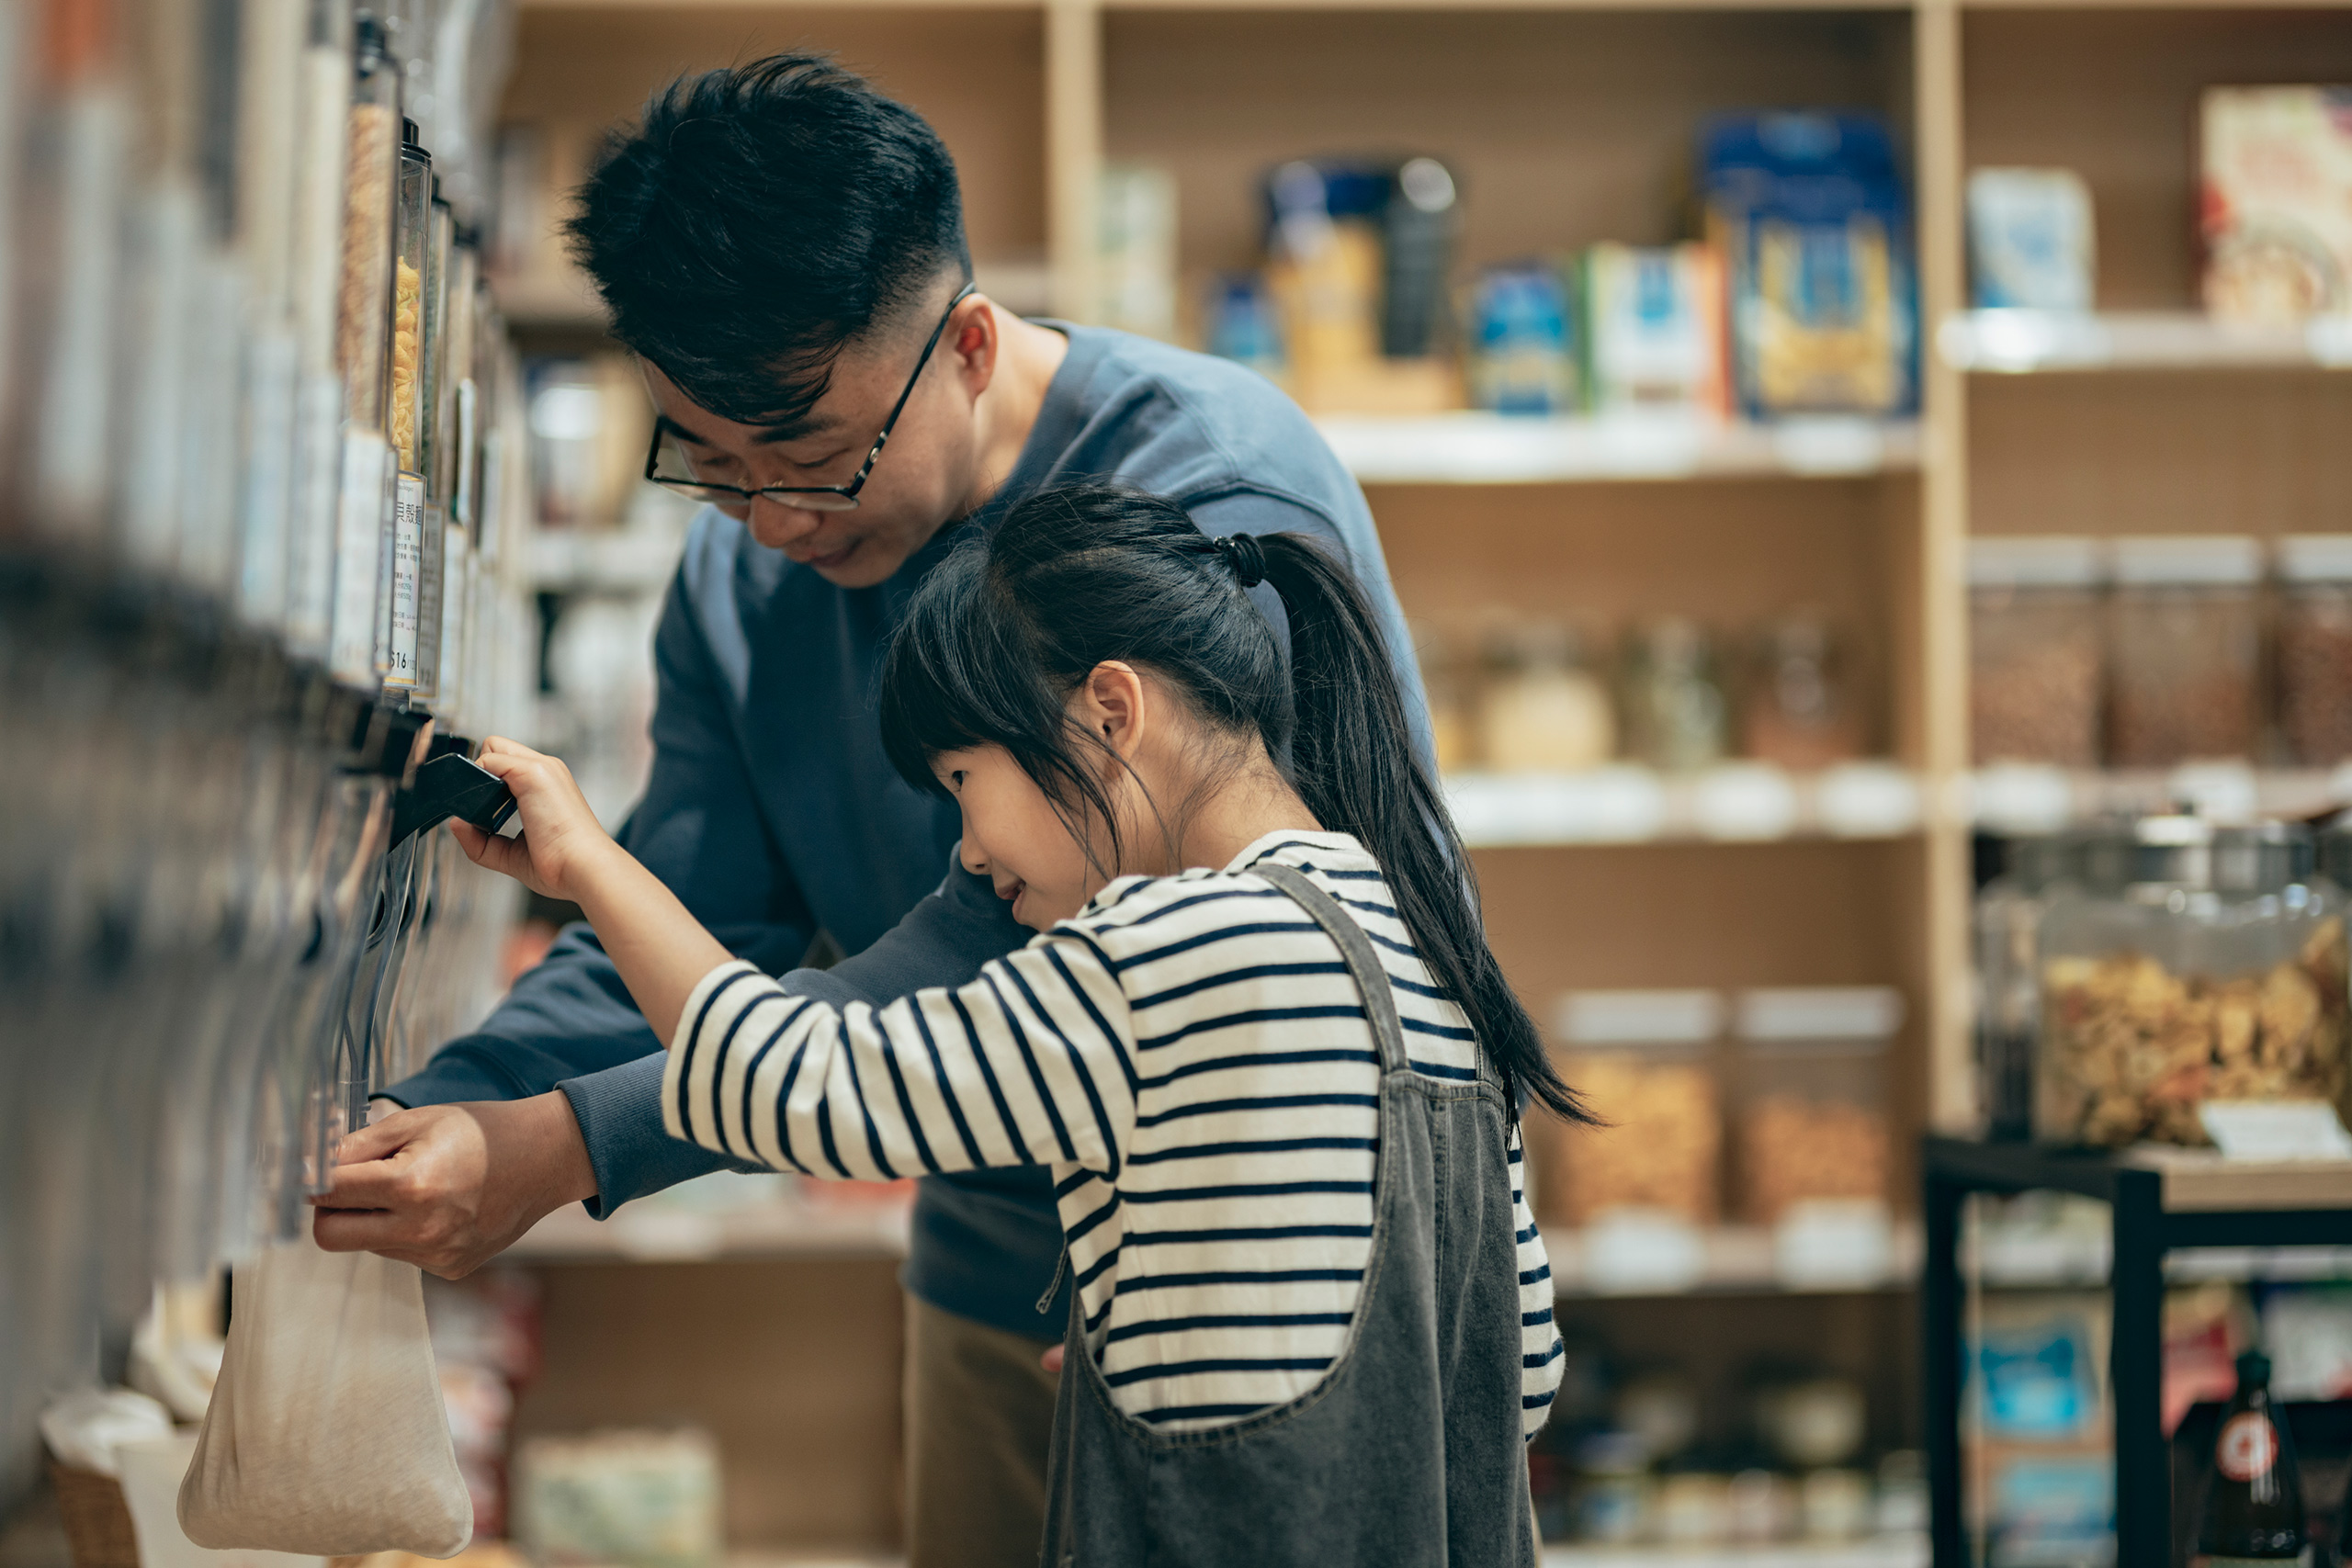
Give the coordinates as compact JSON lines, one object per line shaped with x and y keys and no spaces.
{"x":561,"y":847}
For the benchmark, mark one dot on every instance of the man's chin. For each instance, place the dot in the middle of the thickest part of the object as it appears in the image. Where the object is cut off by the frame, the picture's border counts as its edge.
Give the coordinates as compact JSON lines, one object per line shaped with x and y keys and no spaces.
{"x":862,"y":566}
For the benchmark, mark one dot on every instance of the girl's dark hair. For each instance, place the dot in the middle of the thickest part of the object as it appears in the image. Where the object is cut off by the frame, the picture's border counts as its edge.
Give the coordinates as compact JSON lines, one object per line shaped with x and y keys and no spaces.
{"x":1018,"y":616}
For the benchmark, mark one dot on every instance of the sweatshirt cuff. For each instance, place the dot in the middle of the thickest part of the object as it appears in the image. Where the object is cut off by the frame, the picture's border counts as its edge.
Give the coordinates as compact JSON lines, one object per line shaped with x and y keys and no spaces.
{"x":619,"y":1112}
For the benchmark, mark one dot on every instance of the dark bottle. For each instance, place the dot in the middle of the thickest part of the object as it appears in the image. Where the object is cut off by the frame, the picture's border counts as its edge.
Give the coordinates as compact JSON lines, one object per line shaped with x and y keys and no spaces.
{"x":2254,"y":1504}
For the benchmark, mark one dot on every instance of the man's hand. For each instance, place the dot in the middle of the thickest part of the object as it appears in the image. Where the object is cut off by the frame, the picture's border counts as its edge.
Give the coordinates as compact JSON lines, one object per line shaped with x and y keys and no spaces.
{"x":449,"y":1187}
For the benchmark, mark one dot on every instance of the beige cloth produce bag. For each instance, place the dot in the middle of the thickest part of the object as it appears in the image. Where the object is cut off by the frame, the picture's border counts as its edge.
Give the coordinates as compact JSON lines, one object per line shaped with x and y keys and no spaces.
{"x":326,"y":1434}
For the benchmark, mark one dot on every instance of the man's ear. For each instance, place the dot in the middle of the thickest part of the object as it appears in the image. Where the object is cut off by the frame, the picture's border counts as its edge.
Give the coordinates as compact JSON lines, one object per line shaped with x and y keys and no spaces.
{"x":1115,"y":708}
{"x":972,"y":341}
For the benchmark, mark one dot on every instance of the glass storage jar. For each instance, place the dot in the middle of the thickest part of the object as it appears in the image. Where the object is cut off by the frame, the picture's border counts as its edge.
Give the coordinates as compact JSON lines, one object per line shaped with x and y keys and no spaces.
{"x":2188,"y":963}
{"x":2009,"y":977}
{"x":2036,"y":658}
{"x":2186,"y":639}
{"x":1541,"y":709}
{"x":2315,"y":648}
{"x":1800,"y":713}
{"x":1812,"y":1116}
{"x":1675,"y":715}
{"x":371,"y":196}
{"x":1643,"y":1060}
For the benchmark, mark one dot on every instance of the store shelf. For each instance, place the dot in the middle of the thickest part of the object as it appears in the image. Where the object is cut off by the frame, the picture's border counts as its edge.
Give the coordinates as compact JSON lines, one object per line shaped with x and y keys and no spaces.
{"x":1490,"y":448}
{"x":2025,"y":342}
{"x":2026,"y":799}
{"x":1737,"y":802}
{"x":625,"y":561}
{"x":651,"y":1232}
{"x":1884,"y":1551}
{"x":1732,"y":1260}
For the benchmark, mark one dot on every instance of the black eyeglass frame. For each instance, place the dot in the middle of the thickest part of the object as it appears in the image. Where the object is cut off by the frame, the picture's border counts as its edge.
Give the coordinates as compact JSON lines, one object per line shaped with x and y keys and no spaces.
{"x":706,"y":490}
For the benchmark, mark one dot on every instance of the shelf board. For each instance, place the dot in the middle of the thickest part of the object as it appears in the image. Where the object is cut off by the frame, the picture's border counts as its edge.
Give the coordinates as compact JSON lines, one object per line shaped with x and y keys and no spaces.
{"x":649,"y":1233}
{"x":1904,"y":1551}
{"x":1736,"y":1260}
{"x":2028,"y":341}
{"x":1737,"y":802}
{"x":2027,"y":799}
{"x":1491,"y":448}
{"x":2201,"y":1181}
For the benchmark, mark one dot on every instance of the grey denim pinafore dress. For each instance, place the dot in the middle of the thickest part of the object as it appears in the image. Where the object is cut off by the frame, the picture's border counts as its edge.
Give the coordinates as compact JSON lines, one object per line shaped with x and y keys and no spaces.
{"x":1408,"y":1454}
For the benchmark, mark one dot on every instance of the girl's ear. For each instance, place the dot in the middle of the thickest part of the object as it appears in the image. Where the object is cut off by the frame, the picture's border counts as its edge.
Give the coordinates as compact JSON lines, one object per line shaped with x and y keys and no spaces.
{"x":1113,"y":706}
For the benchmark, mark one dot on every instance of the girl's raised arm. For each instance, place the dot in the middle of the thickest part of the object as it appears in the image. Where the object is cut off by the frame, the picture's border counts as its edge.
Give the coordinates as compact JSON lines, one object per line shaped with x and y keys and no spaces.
{"x":1031,"y":1064}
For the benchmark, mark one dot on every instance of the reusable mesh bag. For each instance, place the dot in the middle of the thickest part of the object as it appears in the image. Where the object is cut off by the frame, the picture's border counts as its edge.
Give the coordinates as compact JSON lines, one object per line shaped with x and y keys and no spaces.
{"x":326,"y":1434}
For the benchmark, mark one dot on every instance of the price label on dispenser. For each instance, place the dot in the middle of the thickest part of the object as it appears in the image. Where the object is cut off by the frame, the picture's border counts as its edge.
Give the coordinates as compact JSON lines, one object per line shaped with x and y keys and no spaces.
{"x":407,"y":574}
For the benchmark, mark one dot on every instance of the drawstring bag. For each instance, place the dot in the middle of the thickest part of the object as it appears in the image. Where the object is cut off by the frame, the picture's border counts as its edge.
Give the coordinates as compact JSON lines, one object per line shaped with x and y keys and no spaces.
{"x":326,"y":1434}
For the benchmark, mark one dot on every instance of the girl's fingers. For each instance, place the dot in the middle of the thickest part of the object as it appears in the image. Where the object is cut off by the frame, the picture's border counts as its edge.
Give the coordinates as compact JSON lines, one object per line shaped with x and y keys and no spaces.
{"x":509,"y":857}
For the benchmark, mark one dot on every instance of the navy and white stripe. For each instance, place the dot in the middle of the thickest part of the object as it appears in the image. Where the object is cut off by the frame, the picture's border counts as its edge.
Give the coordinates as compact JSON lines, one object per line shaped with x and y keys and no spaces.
{"x":1191,"y":1058}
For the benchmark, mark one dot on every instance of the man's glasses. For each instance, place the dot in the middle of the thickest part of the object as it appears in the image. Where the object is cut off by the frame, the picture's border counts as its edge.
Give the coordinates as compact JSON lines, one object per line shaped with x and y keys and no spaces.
{"x":809,"y":498}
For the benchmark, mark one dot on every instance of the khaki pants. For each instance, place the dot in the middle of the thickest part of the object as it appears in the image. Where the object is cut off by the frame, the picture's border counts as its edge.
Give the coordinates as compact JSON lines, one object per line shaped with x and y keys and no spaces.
{"x":980,"y":1422}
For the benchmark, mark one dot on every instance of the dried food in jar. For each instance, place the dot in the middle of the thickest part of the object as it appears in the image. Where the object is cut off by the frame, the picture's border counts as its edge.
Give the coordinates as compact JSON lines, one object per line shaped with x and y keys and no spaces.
{"x":2036,"y":654}
{"x":1660,"y":1148}
{"x":2136,"y":1047}
{"x":1795,"y":1147}
{"x":2315,"y":648}
{"x":2186,"y":640}
{"x":363,"y":312}
{"x":407,"y":346}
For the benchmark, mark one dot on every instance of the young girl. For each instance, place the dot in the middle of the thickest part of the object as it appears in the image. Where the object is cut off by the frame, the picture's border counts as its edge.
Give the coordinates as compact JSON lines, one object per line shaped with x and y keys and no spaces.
{"x":1259,"y":1039}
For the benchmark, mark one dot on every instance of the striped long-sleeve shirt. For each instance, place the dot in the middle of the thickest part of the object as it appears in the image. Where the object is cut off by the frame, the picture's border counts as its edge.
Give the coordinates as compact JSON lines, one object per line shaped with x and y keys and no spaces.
{"x":1189,"y":1055}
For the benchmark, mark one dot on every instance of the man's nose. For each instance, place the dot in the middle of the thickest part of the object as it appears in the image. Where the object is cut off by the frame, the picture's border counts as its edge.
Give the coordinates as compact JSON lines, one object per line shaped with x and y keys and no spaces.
{"x":784,"y":523}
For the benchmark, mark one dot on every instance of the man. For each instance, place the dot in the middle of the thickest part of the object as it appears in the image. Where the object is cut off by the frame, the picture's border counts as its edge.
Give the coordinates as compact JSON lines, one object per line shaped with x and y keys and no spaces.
{"x":783,"y":250}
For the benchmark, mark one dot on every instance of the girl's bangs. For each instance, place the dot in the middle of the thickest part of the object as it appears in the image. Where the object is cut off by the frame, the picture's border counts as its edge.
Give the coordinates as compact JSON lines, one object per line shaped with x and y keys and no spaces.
{"x":957,"y":677}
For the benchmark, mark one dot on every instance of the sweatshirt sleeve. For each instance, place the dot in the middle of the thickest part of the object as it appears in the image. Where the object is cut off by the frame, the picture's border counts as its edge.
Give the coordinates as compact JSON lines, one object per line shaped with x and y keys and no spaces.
{"x":1539,"y":1335}
{"x":1032,"y":1063}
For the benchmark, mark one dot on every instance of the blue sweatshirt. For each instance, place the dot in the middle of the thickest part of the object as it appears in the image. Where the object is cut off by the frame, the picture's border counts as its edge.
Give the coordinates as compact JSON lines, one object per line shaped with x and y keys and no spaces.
{"x":774,"y":815}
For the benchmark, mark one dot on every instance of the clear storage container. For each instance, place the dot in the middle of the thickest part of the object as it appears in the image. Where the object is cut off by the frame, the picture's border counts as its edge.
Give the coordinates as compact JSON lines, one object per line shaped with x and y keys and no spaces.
{"x":1643,"y":1060}
{"x":1813,"y":1117}
{"x":2008,"y":915}
{"x":411,"y":259}
{"x":2315,"y":648}
{"x":2036,"y":656}
{"x":2187,"y":641}
{"x":364,"y":313}
{"x":1675,"y":715}
{"x":2189,"y":964}
{"x":1541,"y":708}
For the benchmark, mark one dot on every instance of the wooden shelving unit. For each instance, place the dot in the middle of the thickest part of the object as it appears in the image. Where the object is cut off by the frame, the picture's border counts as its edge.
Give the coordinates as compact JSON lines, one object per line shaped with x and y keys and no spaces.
{"x":1569,"y":122}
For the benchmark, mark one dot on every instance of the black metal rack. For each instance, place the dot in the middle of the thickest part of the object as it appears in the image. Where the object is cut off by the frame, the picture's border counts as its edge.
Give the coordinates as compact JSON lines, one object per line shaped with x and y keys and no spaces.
{"x":2160,"y":1202}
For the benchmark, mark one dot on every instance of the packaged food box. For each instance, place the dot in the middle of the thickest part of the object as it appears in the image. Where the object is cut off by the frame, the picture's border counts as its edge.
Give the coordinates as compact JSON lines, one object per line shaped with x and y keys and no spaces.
{"x":2276,"y":202}
{"x":1653,"y":328}
{"x":1522,"y":351}
{"x":1810,"y":214}
{"x":2029,"y":240}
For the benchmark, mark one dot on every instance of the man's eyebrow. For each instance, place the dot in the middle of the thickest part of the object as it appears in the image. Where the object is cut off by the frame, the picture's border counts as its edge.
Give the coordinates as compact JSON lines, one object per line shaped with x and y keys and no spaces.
{"x":664,"y":422}
{"x":793,"y":430}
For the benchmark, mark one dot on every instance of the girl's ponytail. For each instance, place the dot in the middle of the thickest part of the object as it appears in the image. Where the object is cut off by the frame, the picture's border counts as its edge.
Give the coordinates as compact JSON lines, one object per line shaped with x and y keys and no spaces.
{"x":1006,"y":627}
{"x":1354,"y":762}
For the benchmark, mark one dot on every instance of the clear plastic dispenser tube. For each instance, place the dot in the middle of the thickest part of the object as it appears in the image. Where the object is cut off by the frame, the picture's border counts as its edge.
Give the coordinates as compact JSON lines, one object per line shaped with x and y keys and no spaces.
{"x":360,"y":650}
{"x":315,"y":282}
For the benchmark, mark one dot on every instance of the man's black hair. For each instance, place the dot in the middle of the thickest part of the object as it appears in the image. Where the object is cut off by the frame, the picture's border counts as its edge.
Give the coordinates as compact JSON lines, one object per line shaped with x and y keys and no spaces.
{"x":761,"y":218}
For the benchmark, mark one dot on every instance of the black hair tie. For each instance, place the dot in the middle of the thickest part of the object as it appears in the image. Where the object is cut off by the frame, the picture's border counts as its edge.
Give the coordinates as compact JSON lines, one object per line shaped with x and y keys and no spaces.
{"x":1246,"y":557}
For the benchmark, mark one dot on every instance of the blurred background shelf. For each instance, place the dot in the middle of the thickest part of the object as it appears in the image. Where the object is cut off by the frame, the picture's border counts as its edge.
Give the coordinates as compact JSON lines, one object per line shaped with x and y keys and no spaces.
{"x":1749,"y":803}
{"x":2028,"y":799}
{"x":2015,"y":341}
{"x":1891,"y":1552}
{"x":1489,"y":448}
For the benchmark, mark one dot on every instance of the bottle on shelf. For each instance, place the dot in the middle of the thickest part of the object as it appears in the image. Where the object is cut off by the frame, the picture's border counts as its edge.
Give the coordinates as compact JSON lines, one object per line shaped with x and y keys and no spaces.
{"x":2254,"y":1503}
